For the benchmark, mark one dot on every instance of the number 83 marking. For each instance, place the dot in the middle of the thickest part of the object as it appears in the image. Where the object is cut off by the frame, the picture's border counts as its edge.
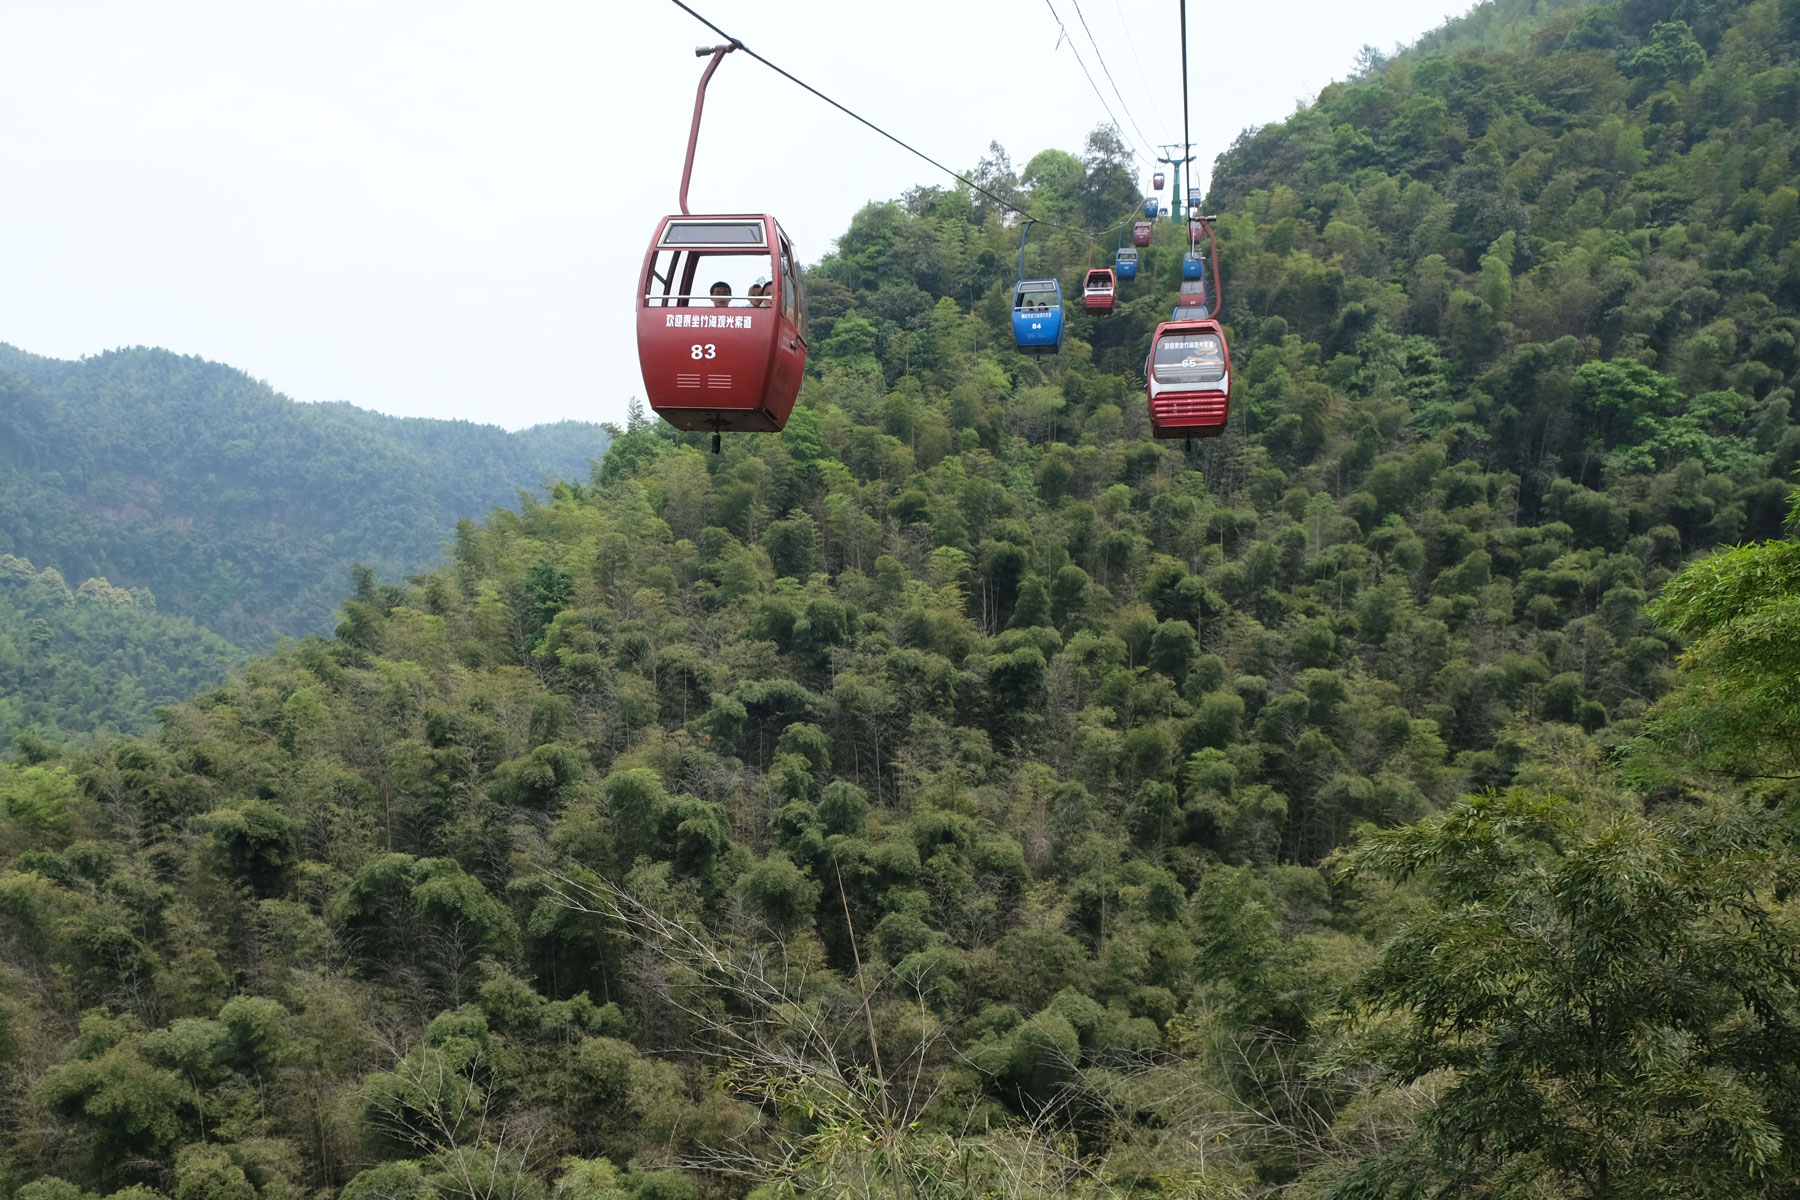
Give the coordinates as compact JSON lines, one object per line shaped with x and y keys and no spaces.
{"x":708,"y":350}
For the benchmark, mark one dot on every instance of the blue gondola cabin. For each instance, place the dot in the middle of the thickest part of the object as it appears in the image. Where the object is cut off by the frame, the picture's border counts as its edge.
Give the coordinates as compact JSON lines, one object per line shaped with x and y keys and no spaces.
{"x":1037,"y":316}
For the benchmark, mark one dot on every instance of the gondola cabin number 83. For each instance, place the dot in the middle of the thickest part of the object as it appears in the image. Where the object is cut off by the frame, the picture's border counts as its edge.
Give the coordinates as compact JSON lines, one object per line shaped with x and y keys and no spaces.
{"x":719,"y":312}
{"x":720,"y":348}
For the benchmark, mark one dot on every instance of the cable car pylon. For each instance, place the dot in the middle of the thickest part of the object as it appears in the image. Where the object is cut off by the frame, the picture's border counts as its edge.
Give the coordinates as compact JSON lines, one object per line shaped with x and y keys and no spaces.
{"x":1175,"y":162}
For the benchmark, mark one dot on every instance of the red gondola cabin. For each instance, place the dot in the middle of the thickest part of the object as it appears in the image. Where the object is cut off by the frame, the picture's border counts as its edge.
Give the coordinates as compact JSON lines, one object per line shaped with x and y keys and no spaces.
{"x":1140,"y":233}
{"x":1156,"y":181}
{"x":1191,"y":303}
{"x":717,"y":352}
{"x":1189,"y":380}
{"x":1097,"y":292}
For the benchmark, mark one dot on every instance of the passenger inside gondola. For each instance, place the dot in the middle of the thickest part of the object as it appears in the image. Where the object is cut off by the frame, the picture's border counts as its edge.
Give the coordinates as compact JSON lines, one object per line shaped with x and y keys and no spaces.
{"x":701,"y":279}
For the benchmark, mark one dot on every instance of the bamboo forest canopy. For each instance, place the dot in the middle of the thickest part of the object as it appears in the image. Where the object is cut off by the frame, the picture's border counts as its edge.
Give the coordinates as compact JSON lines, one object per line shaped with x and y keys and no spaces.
{"x":94,"y":657}
{"x":962,"y":794}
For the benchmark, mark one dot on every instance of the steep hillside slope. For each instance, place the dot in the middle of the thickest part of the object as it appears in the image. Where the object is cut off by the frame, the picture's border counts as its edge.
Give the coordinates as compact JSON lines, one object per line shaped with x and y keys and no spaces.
{"x":949,"y":796}
{"x":1496,"y":25}
{"x":1596,"y":238}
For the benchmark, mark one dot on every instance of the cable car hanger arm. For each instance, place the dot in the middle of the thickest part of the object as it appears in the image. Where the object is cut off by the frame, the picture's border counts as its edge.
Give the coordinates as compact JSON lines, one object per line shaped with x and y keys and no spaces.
{"x":1218,"y":285}
{"x":687,"y":168}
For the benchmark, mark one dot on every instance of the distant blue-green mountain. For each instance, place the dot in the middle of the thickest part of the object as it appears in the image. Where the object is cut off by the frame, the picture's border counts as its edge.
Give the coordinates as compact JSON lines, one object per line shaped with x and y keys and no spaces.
{"x":237,"y":507}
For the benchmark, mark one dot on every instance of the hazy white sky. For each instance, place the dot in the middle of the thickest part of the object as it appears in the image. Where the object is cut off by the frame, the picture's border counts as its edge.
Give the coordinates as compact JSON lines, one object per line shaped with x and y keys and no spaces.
{"x":438,"y":209}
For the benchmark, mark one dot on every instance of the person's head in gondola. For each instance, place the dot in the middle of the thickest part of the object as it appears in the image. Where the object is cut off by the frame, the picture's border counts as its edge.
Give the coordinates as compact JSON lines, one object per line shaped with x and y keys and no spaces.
{"x":721,"y":294}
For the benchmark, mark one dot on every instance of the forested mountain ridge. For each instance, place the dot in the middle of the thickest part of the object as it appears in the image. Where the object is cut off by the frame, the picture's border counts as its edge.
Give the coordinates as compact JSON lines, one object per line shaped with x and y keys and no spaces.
{"x":1498,"y":25}
{"x":963,"y":795}
{"x":237,"y":507}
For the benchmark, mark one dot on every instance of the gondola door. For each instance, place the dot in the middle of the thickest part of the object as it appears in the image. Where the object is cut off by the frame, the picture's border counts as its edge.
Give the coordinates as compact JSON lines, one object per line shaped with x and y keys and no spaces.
{"x":790,"y":338}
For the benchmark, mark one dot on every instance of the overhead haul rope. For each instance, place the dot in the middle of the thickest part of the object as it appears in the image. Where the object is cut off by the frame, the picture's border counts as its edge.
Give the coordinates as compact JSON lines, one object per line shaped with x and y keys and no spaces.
{"x":1218,"y":292}
{"x":735,"y":44}
{"x":1054,"y":16}
{"x":1130,"y":41}
{"x":1187,"y":138}
{"x":1129,"y":115}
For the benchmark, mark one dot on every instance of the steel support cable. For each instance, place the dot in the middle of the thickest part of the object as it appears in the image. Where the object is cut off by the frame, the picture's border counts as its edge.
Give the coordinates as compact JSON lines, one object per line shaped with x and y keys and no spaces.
{"x":1098,"y":95}
{"x":1131,"y":42}
{"x":791,"y":78}
{"x":1107,"y":71}
{"x":1187,"y":137}
{"x":1218,"y":296}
